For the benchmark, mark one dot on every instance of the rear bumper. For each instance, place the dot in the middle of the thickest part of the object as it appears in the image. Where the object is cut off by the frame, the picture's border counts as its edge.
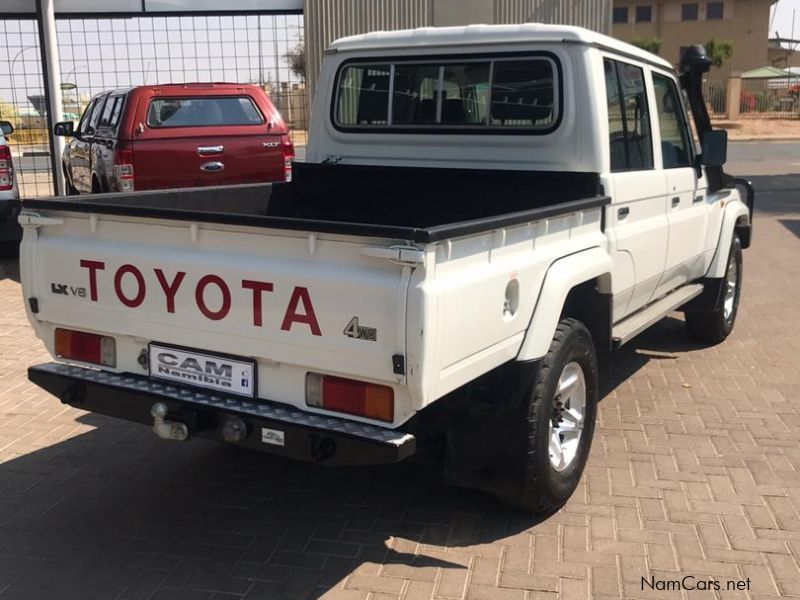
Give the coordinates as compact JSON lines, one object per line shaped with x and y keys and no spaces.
{"x":306,"y":436}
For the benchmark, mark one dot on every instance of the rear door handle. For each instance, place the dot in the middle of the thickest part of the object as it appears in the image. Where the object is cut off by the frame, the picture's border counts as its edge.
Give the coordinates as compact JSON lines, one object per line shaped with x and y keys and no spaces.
{"x":697,"y":199}
{"x":206,"y":150}
{"x":676,"y":201}
{"x":622,"y":213}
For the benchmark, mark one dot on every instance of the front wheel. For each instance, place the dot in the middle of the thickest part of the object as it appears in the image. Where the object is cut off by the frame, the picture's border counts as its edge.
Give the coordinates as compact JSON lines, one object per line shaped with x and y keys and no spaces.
{"x":714,"y":326}
{"x":561,"y":411}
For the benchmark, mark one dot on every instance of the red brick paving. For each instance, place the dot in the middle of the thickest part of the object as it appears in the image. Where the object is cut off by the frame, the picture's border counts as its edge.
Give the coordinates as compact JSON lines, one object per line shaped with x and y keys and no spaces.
{"x":694,"y":471}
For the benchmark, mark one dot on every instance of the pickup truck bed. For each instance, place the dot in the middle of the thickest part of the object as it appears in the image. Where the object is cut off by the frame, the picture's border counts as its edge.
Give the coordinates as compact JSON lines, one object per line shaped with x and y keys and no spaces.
{"x":402,"y":203}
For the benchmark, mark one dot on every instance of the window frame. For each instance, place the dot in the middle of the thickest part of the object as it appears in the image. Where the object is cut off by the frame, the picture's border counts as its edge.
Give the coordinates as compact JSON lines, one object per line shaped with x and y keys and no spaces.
{"x":111,"y":104}
{"x":207,"y":97}
{"x":99,"y":106}
{"x":696,"y":5}
{"x":627,"y":15}
{"x":721,"y":16}
{"x":688,"y":137}
{"x":86,"y":116}
{"x":649,"y":8}
{"x":647,"y":83}
{"x":441,"y":60}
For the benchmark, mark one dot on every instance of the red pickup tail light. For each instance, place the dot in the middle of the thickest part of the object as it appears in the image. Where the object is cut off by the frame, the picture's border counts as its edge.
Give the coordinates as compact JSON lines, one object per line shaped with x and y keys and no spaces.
{"x":86,"y":347}
{"x":6,"y":169}
{"x":287,"y":154}
{"x":349,"y":396}
{"x":123,"y":167}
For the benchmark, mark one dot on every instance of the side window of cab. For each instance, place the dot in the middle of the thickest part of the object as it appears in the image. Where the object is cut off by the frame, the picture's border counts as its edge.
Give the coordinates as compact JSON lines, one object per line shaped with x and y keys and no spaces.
{"x":85,"y":117}
{"x":630,"y":137}
{"x":676,"y":148}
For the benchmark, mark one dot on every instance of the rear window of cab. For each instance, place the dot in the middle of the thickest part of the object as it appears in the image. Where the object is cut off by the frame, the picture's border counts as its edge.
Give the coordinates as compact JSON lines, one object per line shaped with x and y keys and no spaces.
{"x":509,"y":94}
{"x":203,"y":112}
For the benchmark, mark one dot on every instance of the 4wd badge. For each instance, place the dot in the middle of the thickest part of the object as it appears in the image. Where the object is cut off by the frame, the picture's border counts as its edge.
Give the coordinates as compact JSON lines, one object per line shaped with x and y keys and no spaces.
{"x":359,"y":332}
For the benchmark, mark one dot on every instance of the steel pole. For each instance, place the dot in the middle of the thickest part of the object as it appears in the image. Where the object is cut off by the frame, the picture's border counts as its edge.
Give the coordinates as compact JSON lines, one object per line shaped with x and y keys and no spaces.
{"x":52,"y":84}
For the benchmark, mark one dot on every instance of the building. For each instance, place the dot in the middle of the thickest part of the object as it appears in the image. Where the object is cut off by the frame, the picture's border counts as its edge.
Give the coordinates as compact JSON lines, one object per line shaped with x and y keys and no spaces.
{"x":783,"y":53}
{"x":327,"y":20}
{"x":681,"y":23}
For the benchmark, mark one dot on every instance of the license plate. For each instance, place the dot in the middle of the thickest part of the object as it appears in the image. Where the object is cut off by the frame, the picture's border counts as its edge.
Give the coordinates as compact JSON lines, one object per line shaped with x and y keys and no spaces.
{"x":211,"y":371}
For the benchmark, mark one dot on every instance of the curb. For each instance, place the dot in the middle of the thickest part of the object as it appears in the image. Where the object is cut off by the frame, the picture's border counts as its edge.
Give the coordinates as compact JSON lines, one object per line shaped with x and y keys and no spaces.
{"x":787,"y":138}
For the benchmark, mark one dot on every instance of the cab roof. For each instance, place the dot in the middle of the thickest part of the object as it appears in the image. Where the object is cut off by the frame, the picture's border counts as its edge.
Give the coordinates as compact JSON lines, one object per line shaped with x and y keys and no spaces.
{"x":479,"y":35}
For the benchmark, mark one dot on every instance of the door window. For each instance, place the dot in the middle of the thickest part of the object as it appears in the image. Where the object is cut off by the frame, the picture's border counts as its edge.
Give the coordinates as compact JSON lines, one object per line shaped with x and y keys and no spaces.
{"x":630,"y":137}
{"x":83,"y":124}
{"x":675,"y":146}
{"x":91,"y":125}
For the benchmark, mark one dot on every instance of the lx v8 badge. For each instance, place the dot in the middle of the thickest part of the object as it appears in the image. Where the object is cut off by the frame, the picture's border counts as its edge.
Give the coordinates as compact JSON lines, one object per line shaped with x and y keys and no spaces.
{"x":359,"y":332}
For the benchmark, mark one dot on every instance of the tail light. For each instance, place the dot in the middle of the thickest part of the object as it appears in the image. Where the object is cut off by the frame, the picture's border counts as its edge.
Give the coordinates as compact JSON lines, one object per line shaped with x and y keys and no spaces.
{"x":287,"y":154}
{"x":6,"y":169}
{"x":86,"y":347}
{"x":123,"y":167}
{"x":350,"y":396}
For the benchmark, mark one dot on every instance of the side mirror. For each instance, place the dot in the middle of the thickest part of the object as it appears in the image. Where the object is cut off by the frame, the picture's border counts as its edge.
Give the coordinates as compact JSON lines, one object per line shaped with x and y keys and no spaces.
{"x":6,"y":127}
{"x":715,"y":148}
{"x":64,"y":129}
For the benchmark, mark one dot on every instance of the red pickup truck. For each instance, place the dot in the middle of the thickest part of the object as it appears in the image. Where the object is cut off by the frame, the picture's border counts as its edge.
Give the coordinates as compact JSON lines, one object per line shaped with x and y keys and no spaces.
{"x":176,"y":135}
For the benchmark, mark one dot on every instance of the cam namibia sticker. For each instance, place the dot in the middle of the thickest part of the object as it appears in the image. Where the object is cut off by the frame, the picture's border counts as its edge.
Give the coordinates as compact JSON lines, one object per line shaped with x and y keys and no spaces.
{"x":272,"y":436}
{"x":205,"y":370}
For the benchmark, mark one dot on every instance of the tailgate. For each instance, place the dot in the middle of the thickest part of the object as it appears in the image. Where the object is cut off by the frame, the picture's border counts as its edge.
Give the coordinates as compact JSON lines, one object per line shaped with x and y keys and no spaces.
{"x":293,"y":301}
{"x":202,"y":161}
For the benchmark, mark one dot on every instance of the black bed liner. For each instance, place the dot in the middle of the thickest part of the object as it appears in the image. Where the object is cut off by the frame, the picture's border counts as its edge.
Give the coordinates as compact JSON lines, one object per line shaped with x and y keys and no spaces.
{"x":401,"y":203}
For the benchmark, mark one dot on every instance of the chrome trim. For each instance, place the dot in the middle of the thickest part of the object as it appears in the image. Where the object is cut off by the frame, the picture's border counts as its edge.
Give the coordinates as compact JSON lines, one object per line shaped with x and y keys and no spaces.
{"x":205,"y":150}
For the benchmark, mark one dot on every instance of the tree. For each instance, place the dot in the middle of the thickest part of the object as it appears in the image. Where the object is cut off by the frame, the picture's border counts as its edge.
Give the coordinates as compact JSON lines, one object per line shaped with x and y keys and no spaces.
{"x":719,"y":51}
{"x":296,"y":57}
{"x":650,"y":44}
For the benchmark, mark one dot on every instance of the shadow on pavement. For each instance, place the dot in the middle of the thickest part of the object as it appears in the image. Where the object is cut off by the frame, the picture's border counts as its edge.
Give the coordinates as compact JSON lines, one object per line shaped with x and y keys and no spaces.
{"x":776,"y":193}
{"x":9,"y":269}
{"x":792,"y":225}
{"x":116,"y":513}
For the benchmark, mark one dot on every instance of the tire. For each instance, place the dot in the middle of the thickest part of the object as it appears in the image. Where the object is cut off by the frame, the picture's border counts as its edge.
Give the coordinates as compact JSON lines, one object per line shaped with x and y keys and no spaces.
{"x":549,"y":479}
{"x":714,"y":326}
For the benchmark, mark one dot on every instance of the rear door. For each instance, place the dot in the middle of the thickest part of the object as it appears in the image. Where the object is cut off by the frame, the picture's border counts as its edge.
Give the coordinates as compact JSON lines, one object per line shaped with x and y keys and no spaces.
{"x":639,"y":222}
{"x":193,"y":141}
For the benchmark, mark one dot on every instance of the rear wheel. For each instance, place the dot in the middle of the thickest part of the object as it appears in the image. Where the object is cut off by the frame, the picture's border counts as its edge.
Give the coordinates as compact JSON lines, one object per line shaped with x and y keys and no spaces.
{"x":561,"y":411}
{"x":714,"y":326}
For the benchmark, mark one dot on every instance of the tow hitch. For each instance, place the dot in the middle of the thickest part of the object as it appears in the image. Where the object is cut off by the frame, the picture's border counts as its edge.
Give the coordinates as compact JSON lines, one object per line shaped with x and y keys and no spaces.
{"x":166,"y":429}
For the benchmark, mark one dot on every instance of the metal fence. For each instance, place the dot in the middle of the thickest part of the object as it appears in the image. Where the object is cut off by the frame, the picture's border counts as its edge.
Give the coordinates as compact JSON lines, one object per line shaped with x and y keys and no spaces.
{"x":108,"y":53}
{"x":777,"y":98}
{"x":714,"y":91}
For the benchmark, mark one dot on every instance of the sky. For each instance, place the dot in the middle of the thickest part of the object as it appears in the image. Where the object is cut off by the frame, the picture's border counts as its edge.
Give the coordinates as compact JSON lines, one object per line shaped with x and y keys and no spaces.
{"x":781,"y":19}
{"x":102,"y":54}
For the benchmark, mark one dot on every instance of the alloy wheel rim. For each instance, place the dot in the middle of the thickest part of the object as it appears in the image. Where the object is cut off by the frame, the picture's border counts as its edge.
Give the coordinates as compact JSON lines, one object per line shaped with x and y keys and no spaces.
{"x":568,"y":418}
{"x":730,"y":290}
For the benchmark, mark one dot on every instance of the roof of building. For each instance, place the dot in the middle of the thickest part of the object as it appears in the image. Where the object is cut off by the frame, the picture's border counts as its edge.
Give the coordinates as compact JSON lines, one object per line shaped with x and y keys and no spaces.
{"x":469,"y":35}
{"x":765,"y":73}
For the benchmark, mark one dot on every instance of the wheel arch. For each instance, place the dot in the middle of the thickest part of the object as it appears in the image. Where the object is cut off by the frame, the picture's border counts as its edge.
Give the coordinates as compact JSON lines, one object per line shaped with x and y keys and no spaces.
{"x":578,"y":286}
{"x":735,"y":220}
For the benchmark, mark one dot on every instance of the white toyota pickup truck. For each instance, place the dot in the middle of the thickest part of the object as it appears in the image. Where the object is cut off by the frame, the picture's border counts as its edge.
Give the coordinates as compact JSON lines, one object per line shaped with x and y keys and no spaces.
{"x":482,"y":211}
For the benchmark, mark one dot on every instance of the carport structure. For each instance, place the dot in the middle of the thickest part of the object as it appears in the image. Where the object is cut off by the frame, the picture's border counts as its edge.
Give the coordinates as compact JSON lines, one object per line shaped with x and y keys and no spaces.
{"x":56,"y":54}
